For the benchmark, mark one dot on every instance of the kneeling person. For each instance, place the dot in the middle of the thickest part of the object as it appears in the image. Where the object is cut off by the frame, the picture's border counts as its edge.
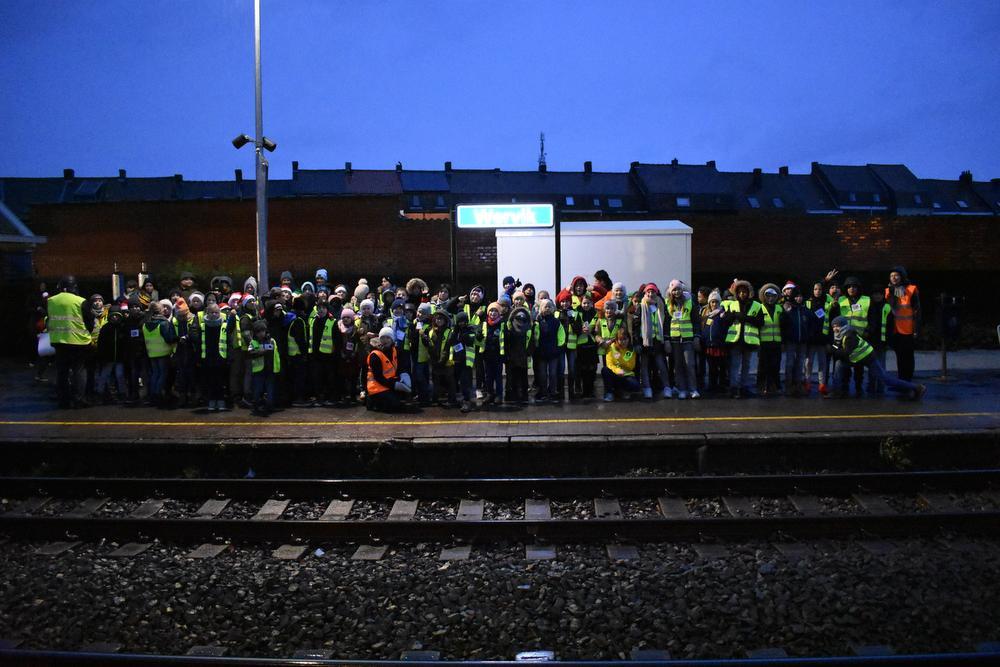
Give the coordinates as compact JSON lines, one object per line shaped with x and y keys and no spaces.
{"x":386,"y":386}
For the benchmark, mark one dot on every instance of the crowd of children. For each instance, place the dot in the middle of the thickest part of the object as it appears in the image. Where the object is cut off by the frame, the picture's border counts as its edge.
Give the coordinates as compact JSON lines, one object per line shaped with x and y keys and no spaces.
{"x":401,"y":348}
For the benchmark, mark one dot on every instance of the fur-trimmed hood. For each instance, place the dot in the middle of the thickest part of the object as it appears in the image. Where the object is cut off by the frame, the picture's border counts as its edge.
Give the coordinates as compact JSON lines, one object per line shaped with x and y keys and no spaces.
{"x":741,"y":283}
{"x":764,"y":288}
{"x":416,"y":287}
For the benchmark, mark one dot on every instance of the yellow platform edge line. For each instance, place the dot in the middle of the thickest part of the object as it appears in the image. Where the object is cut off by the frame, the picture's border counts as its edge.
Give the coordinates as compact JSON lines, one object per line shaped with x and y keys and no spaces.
{"x":500,"y":422}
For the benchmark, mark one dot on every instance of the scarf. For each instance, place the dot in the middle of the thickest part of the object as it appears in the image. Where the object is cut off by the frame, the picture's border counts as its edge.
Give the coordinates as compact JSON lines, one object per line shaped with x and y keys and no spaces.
{"x":839,"y":337}
{"x":652,"y":328}
{"x":345,"y":330}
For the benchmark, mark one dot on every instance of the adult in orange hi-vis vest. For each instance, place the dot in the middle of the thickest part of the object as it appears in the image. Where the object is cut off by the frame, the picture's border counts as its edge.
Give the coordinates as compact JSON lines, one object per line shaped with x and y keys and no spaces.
{"x":386,"y":386}
{"x":904,"y":298}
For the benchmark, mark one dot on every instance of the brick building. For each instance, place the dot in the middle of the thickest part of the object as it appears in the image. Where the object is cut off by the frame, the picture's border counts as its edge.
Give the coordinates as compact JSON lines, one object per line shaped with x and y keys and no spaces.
{"x":860,"y":219}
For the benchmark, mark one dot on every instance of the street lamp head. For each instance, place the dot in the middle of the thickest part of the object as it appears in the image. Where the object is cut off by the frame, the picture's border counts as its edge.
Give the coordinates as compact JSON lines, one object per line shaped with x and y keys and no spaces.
{"x":268,"y":144}
{"x":242,"y":140}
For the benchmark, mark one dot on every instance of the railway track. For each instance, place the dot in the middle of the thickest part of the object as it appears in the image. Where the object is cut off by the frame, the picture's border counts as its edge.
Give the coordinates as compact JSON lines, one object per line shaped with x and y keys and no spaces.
{"x":791,"y":507}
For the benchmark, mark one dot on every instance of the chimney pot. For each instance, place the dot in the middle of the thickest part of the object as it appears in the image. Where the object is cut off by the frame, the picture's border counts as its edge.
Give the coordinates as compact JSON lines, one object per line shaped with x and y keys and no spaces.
{"x":399,"y":167}
{"x":69,"y":174}
{"x":348,"y":167}
{"x":178,"y":178}
{"x":710,"y":163}
{"x":447,"y":167}
{"x":965,"y":177}
{"x":674,"y":162}
{"x":783,"y":171}
{"x":295,"y":166}
{"x":635,"y":164}
{"x":239,"y":175}
{"x":757,"y":176}
{"x":588,"y":167}
{"x":121,"y":174}
{"x":542,"y":168}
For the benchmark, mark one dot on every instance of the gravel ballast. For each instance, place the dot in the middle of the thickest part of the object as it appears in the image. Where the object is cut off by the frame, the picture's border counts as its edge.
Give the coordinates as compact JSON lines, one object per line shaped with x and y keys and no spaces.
{"x":924,"y":596}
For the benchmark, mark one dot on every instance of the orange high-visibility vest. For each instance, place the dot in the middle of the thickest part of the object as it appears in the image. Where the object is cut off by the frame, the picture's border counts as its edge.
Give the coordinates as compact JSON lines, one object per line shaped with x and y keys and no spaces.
{"x":902,"y":309}
{"x":388,"y":370}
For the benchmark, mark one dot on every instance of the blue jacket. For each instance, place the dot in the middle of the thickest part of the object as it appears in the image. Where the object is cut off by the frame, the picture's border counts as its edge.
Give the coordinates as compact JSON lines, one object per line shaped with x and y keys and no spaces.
{"x":799,"y":324}
{"x":713,"y":330}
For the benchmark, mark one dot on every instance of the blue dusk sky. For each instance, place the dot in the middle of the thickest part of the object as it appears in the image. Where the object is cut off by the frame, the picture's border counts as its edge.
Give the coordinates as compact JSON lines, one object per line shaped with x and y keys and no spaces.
{"x":160,"y":87}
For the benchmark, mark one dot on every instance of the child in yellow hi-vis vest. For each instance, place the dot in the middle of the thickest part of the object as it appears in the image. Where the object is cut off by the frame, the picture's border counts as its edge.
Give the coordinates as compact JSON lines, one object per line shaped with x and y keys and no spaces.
{"x":619,"y":367}
{"x":265,"y":364}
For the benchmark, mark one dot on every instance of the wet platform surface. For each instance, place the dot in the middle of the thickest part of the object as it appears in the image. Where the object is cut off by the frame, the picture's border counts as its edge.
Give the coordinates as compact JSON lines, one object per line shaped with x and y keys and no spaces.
{"x":969,"y":402}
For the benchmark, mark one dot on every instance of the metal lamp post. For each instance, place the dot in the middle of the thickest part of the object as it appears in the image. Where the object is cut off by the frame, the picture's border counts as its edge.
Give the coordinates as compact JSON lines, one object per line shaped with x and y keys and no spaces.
{"x":260,"y":143}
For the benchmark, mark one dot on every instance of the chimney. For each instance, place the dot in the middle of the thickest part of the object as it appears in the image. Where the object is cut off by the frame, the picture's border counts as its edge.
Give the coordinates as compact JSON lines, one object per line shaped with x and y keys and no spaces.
{"x":447,"y":167}
{"x":783,"y":171}
{"x":757,"y":177}
{"x":634,"y":164}
{"x":542,"y":168}
{"x":121,"y":174}
{"x":399,"y":167}
{"x":588,"y":167}
{"x":239,"y":175}
{"x":295,"y":167}
{"x":710,"y":163}
{"x":69,"y":174}
{"x":496,"y":171}
{"x":178,"y":178}
{"x":348,"y":167}
{"x":674,"y":162}
{"x":965,"y":177}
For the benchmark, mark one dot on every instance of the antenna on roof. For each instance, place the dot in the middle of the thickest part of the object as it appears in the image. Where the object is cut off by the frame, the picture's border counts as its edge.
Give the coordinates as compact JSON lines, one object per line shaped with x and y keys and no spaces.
{"x":541,"y":152}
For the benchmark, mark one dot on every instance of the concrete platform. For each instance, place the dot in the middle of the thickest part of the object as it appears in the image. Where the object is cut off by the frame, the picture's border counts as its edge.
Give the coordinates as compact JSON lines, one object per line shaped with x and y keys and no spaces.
{"x":965,"y":409}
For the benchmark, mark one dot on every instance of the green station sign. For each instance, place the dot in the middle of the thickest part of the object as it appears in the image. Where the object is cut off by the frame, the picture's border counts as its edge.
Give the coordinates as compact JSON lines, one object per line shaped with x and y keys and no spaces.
{"x":505,"y":216}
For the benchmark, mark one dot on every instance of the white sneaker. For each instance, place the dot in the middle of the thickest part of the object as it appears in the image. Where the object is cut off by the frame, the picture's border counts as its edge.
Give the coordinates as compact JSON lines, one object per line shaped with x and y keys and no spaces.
{"x":479,"y":393}
{"x":682,"y":395}
{"x":608,"y":397}
{"x":647,"y":393}
{"x":668,"y":392}
{"x":695,"y":394}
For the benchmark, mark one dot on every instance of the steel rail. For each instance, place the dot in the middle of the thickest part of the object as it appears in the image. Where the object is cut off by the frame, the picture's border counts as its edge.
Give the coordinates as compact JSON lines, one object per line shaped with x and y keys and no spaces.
{"x":556,"y":530}
{"x":500,"y":488}
{"x":24,"y":658}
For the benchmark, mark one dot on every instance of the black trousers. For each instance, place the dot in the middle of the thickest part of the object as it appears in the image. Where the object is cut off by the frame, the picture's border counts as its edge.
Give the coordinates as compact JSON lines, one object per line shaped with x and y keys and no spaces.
{"x":903,"y":347}
{"x":71,"y":379}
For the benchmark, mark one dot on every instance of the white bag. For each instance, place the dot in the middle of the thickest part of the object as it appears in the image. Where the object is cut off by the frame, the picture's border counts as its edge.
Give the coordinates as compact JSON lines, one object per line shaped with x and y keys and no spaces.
{"x":45,"y":348}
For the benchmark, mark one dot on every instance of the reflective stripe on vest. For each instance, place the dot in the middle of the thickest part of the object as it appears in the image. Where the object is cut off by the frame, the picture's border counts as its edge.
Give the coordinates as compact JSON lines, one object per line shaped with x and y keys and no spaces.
{"x":388,"y":371}
{"x":223,"y":338}
{"x":751,"y":336}
{"x":680,"y":321}
{"x":856,"y":313}
{"x":65,"y":321}
{"x":886,"y":309}
{"x":156,"y":347}
{"x":902,"y":311}
{"x":771,"y":331}
{"x":257,"y":363}
{"x":861,"y":351}
{"x":571,"y":317}
{"x":608,"y":334}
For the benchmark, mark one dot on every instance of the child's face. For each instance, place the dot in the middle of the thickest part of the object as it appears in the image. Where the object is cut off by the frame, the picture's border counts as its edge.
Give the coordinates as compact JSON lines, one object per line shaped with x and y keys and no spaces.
{"x":565,"y":304}
{"x":544,"y":294}
{"x":507,"y":284}
{"x":529,"y":292}
{"x":476,"y":296}
{"x":212,"y":312}
{"x":586,"y":303}
{"x":836,"y":329}
{"x":443,"y":295}
{"x":770,"y":298}
{"x":579,"y":288}
{"x":742,"y":293}
{"x":260,"y":335}
{"x":546,"y":309}
{"x":519,"y":300}
{"x":854,"y":291}
{"x":347,"y":319}
{"x":609,"y":312}
{"x":397,"y":311}
{"x":834,"y":291}
{"x":618,"y":293}
{"x":787,"y":293}
{"x":799,"y":298}
{"x":677,"y":293}
{"x":367,"y":310}
{"x":702,"y":299}
{"x":818,"y":290}
{"x":650,"y":294}
{"x":895,"y":278}
{"x":713,"y":304}
{"x":493,"y":313}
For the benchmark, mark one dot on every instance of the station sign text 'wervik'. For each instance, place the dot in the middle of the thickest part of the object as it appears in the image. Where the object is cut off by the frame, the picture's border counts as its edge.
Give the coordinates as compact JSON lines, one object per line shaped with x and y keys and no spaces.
{"x":493,"y":216}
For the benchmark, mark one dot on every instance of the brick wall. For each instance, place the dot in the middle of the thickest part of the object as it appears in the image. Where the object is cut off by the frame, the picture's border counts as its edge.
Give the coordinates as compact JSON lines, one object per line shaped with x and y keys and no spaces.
{"x":365,"y":236}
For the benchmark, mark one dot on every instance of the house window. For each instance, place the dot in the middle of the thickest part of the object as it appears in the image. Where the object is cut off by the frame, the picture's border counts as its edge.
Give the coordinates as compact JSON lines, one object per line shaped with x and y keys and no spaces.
{"x":852,"y":196}
{"x":754,"y":202}
{"x":778,"y":203}
{"x":615,"y":203}
{"x":415,"y":201}
{"x":917,"y":199}
{"x":937,"y":204}
{"x":513,"y":200}
{"x":570,"y":201}
{"x":877,"y":198}
{"x":683,"y":202}
{"x":597,"y":202}
{"x":439,"y":202}
{"x":962,"y":203}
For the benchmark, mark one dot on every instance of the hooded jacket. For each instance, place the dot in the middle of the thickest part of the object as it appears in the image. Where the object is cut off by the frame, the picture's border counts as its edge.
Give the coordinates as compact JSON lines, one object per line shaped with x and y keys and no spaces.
{"x":416,"y":291}
{"x":519,"y":341}
{"x":575,"y":300}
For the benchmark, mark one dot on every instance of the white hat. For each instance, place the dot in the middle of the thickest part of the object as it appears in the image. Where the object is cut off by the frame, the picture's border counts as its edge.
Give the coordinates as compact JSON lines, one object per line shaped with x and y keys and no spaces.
{"x":386,"y":332}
